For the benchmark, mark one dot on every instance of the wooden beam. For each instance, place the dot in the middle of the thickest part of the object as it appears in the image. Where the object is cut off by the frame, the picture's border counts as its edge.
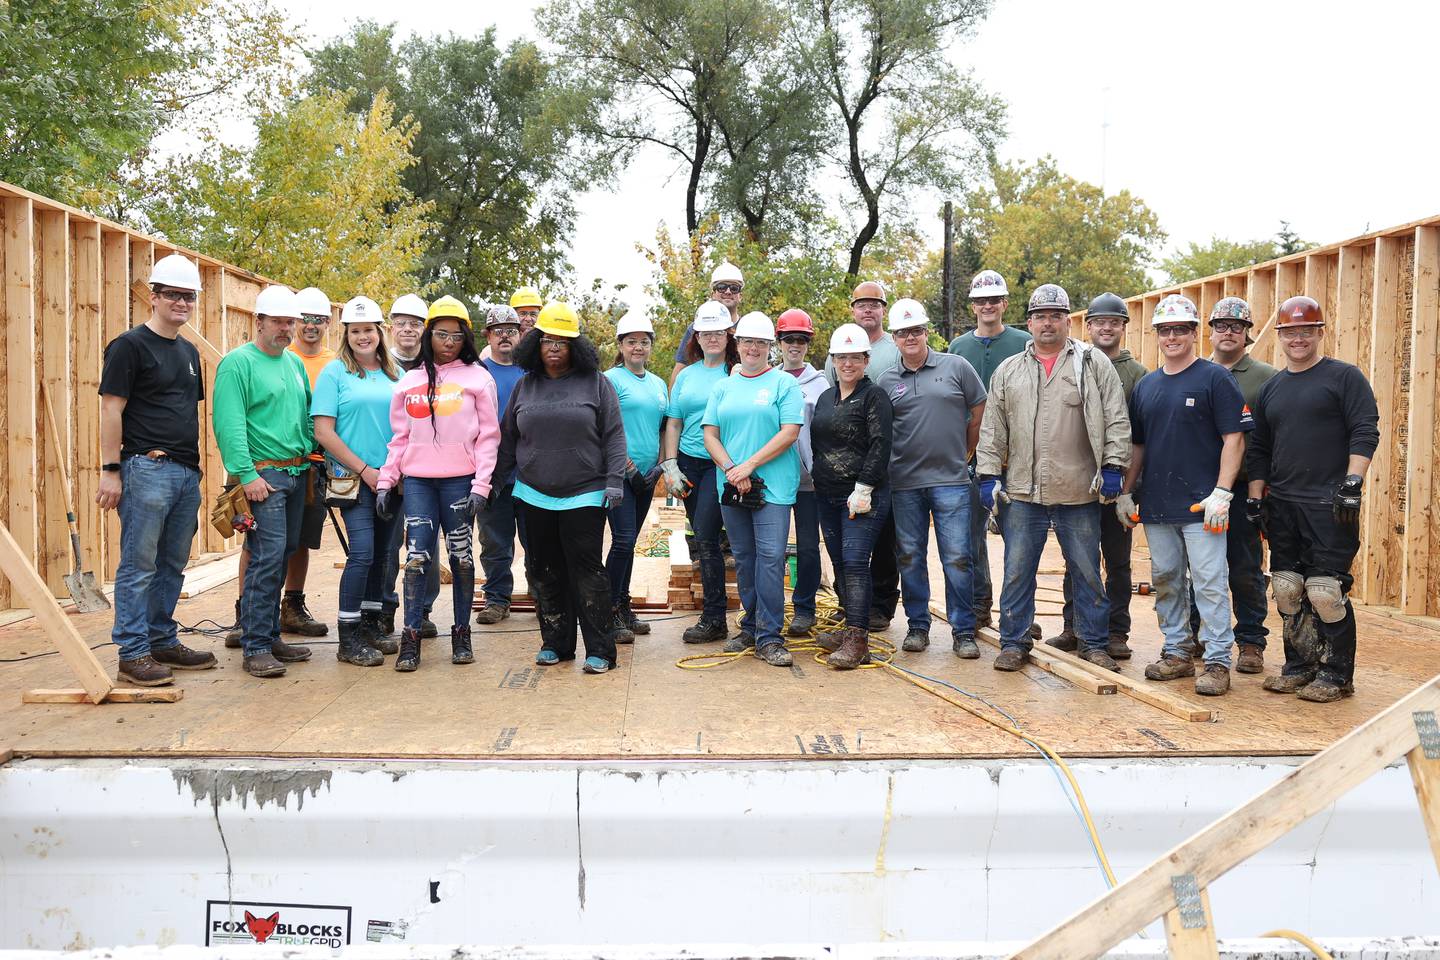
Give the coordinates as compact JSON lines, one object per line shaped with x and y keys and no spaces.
{"x":34,"y":593}
{"x":1425,"y":775}
{"x":1318,"y":284}
{"x":114,"y":320}
{"x":1149,"y":346}
{"x":1347,"y":306}
{"x":116,"y":695}
{"x":1289,"y":281}
{"x":1192,"y":942}
{"x":85,"y":348}
{"x":1260,"y":294}
{"x":1240,"y":834}
{"x":1383,"y":567}
{"x":1419,"y":480}
{"x":52,"y":338}
{"x":1041,"y":660}
{"x":20,"y":397}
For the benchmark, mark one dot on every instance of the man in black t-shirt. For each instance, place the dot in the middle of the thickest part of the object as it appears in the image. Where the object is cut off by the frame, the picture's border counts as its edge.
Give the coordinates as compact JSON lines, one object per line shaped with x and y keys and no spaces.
{"x":1316,"y":428}
{"x":150,"y":386}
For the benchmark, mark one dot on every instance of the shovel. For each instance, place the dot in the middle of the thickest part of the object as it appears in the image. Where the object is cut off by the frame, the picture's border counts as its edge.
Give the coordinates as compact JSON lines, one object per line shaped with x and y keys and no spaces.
{"x":84,"y":589}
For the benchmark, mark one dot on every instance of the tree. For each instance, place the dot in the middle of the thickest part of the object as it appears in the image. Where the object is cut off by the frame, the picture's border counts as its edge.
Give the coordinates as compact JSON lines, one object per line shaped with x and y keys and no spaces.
{"x":501,"y":148}
{"x":909,"y":119}
{"x":1040,"y":226}
{"x":318,"y":200}
{"x":1288,"y":242}
{"x":1221,"y":256}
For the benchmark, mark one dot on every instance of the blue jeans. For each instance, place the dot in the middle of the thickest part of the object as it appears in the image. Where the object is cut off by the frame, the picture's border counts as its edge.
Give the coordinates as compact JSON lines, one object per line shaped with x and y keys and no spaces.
{"x":702,"y":506}
{"x":807,"y":552}
{"x":1077,"y":528}
{"x":362,"y":583}
{"x":431,"y":505}
{"x":980,"y":548}
{"x":1174,"y":548}
{"x":757,"y":538}
{"x":1247,"y":583}
{"x":498,"y":525}
{"x":392,"y":572}
{"x":626,"y":519}
{"x":158,"y":504}
{"x":274,"y":539}
{"x":850,"y":543}
{"x":950,"y":507}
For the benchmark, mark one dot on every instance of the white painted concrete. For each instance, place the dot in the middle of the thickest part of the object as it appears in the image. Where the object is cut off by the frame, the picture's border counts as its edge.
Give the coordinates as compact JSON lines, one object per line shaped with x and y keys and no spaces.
{"x":103,"y":853}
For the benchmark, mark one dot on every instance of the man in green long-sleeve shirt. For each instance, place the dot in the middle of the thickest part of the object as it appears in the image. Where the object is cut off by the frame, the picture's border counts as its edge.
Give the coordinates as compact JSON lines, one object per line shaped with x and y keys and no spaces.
{"x":261,"y":415}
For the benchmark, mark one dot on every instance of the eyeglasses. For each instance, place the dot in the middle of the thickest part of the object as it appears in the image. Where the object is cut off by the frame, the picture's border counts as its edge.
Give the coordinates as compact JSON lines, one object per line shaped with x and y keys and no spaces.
{"x":751,"y":342}
{"x":1231,"y":326}
{"x":1174,"y":330}
{"x":727,"y":288}
{"x":1106,"y":322}
{"x":850,"y":357}
{"x":711,"y":333}
{"x":409,"y":323}
{"x":177,"y":296}
{"x":795,"y":338}
{"x":446,"y":337}
{"x":1298,"y":333}
{"x":552,"y":342}
{"x":911,"y":333}
{"x":987,"y":301}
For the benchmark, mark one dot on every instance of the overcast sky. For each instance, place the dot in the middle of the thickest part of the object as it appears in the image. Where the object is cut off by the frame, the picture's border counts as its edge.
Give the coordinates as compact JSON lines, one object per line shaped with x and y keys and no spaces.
{"x":1225,"y":117}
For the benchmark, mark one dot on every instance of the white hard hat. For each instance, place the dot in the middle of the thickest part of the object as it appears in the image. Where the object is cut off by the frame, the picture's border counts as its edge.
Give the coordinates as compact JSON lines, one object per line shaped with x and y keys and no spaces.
{"x":1175,"y":309}
{"x":713,"y":315}
{"x":176,"y":271}
{"x":849,"y":338}
{"x":501,"y":314}
{"x":755,"y":325}
{"x":988,"y":283}
{"x":727,"y":272}
{"x":277,"y":301}
{"x":635,"y":321}
{"x":409,"y":305}
{"x":1048,"y":296}
{"x":357,"y":310}
{"x":313,"y":302}
{"x":907,"y":313}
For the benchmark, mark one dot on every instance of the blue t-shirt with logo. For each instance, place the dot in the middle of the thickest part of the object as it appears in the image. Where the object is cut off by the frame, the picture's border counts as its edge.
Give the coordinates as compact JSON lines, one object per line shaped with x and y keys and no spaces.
{"x":749,"y":412}
{"x":506,"y":376}
{"x":360,"y":406}
{"x":643,"y":401}
{"x":688,"y":399}
{"x":1181,"y":420}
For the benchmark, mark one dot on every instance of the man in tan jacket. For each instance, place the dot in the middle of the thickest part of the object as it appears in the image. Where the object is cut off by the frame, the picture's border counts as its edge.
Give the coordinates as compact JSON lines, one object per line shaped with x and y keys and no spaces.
{"x":1057,"y":427}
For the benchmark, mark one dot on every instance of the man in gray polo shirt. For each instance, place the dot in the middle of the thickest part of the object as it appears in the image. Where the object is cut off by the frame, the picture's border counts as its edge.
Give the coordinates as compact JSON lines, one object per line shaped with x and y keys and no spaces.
{"x":931,"y":394}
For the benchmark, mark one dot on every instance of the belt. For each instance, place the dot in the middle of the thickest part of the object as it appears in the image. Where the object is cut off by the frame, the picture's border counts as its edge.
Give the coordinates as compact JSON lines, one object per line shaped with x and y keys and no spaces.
{"x":299,"y":461}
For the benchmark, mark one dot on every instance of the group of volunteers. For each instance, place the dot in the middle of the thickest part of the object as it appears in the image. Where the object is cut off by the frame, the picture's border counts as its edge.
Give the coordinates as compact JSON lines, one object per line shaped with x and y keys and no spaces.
{"x":414,"y":433}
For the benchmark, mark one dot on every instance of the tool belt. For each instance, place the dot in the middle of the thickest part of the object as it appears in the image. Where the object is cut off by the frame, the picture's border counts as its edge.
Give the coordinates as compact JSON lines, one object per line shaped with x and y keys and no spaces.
{"x":299,"y":461}
{"x":229,"y":505}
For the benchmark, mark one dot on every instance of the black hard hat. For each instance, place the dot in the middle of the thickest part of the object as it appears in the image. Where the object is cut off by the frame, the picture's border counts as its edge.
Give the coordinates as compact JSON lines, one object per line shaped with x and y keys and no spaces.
{"x":1107,"y":305}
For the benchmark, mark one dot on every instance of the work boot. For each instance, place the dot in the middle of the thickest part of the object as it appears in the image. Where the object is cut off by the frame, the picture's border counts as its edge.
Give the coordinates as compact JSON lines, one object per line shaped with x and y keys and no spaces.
{"x":387,"y":619}
{"x":801,"y":624}
{"x":706,"y":631}
{"x":288,"y":652}
{"x":1324,"y":691}
{"x":983,"y":618}
{"x":181,"y":657}
{"x":1035,"y":632}
{"x":295,"y":618}
{"x":1064,"y":640}
{"x":1250,"y":660}
{"x":1288,"y":684}
{"x":353,"y":647}
{"x":739,"y":643}
{"x":965,"y":647}
{"x":620,"y":632}
{"x":916,"y":640}
{"x":879,"y":621}
{"x":428,"y":630}
{"x":1194,"y":648}
{"x":830,"y":640}
{"x":1170,"y":668}
{"x":264,"y":665}
{"x":776,"y":655}
{"x":492,"y":613}
{"x":144,"y":672}
{"x":633,"y":623}
{"x":375,"y":632}
{"x":460,"y":650}
{"x":1011,"y":659}
{"x":409,"y":659}
{"x":1214,"y":681}
{"x":232,"y":639}
{"x":1118,"y":647}
{"x":854,"y":650}
{"x":1101,"y":658}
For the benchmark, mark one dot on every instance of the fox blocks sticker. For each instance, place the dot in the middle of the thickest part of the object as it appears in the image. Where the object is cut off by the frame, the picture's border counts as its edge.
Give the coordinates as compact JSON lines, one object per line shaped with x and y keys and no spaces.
{"x":295,"y":924}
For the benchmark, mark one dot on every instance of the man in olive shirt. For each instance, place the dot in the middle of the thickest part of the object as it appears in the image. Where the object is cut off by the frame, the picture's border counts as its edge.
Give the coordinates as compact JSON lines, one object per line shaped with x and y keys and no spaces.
{"x":261,"y":416}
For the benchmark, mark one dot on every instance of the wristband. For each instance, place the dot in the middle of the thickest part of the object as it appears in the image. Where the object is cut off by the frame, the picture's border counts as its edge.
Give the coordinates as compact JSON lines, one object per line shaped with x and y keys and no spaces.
{"x":110,"y":467}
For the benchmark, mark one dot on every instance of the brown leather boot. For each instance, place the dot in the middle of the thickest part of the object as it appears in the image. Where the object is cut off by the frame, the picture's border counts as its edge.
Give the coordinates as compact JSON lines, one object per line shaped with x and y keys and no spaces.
{"x":854,"y":650}
{"x":1250,"y":660}
{"x":295,"y":617}
{"x":1064,"y":640}
{"x":1288,"y":684}
{"x":144,"y":672}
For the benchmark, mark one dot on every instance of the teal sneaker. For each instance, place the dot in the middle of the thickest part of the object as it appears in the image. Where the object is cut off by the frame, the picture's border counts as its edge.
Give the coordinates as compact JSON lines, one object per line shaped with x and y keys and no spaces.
{"x":595,"y":665}
{"x":547,"y":658}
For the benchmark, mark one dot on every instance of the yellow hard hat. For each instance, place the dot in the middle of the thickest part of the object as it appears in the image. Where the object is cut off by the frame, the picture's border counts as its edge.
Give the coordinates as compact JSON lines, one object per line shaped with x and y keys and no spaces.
{"x":525,"y":297}
{"x":448,"y":307}
{"x":559,"y":320}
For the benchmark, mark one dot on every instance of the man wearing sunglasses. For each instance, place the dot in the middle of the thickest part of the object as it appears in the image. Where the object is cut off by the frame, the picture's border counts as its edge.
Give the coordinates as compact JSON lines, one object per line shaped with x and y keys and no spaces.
{"x":726,"y":285}
{"x":498,"y":524}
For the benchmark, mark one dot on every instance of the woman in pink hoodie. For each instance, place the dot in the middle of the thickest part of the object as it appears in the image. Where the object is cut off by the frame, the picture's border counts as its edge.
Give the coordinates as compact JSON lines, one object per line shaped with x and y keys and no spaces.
{"x":446,"y":437}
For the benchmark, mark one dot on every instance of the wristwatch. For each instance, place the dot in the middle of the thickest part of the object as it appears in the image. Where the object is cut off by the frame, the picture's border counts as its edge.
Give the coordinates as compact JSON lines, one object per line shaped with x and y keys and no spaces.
{"x":110,"y":467}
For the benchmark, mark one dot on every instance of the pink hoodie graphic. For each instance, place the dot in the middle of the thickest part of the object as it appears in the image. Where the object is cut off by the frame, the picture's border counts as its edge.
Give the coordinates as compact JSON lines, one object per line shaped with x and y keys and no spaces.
{"x":461,"y":440}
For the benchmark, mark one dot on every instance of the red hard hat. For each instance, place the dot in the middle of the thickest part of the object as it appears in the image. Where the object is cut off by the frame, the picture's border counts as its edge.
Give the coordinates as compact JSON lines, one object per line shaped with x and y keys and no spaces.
{"x":794,"y":320}
{"x":1299,"y":312}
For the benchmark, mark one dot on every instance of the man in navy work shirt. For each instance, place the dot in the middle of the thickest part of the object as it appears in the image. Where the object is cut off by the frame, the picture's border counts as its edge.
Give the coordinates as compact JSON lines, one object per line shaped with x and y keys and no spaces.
{"x":1187,"y":421}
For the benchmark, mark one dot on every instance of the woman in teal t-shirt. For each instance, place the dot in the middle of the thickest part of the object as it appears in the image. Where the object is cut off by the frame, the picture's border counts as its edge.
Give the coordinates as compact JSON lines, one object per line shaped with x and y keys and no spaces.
{"x":643,"y":399}
{"x":351,"y":408}
{"x":689,"y":471}
{"x":751,"y":424}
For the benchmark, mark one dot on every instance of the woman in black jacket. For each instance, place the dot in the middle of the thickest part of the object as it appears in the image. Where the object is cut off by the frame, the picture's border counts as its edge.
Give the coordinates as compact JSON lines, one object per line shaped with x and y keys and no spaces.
{"x":850,"y":441}
{"x":563,"y":427}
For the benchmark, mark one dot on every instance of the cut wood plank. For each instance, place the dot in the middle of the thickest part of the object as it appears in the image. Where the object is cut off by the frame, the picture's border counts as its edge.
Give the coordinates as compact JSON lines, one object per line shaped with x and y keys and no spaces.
{"x":1081,"y":679}
{"x":208,"y":576}
{"x":117,"y":695}
{"x":1192,"y":943}
{"x":22,"y":520}
{"x":1425,"y":774}
{"x":1424,"y":321}
{"x":1143,"y":690}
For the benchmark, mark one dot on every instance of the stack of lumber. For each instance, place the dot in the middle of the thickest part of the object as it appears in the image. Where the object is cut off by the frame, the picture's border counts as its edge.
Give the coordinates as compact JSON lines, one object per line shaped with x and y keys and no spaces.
{"x":685,"y":591}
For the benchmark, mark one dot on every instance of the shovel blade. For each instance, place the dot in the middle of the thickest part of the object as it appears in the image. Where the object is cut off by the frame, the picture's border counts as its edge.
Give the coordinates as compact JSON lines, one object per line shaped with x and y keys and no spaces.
{"x":86,"y":593}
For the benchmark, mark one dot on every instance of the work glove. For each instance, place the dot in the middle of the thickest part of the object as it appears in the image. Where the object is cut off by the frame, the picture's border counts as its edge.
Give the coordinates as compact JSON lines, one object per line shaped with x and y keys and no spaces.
{"x":1217,"y":510}
{"x":990,"y":488}
{"x":1255,"y":513}
{"x":859,"y":501}
{"x":1346,"y":506}
{"x":675,"y":481}
{"x":1110,"y":481}
{"x":385,"y":503}
{"x":472,"y":506}
{"x":1127,"y":510}
{"x":613,"y":496}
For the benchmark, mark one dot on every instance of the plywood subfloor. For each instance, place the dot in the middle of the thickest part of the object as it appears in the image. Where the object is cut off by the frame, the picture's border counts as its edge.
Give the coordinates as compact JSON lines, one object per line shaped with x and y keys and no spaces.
{"x":504,"y":705}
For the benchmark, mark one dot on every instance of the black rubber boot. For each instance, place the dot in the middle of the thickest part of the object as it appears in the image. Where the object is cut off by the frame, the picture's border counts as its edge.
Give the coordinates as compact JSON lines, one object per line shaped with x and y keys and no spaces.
{"x":620,"y":630}
{"x":372,"y":626}
{"x":460,"y":651}
{"x":232,"y":639}
{"x":409,"y":659}
{"x":354,"y":649}
{"x":633,"y":623}
{"x":387,"y":618}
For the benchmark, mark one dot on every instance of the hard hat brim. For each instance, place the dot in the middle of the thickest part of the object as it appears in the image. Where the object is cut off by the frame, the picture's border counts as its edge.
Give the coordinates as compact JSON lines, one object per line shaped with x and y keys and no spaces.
{"x":557,"y":331}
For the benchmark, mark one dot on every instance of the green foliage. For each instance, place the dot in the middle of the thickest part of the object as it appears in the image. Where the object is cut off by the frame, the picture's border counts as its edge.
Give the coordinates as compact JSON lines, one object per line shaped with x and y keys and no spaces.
{"x":1221,"y":256}
{"x":318,"y":200}
{"x":1040,"y":226}
{"x":500,"y":149}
